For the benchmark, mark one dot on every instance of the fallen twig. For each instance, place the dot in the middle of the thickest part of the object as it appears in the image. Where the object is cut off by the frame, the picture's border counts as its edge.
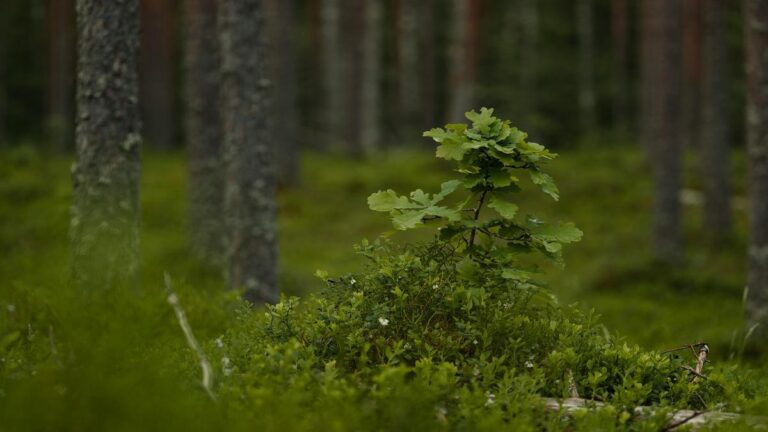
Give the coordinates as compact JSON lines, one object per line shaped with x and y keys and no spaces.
{"x":173,"y":300}
{"x":700,"y":360}
{"x":695,"y":419}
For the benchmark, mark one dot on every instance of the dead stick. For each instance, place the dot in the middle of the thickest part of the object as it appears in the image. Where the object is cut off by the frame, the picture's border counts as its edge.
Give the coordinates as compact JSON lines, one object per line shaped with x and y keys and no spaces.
{"x":701,"y":359}
{"x":173,"y":300}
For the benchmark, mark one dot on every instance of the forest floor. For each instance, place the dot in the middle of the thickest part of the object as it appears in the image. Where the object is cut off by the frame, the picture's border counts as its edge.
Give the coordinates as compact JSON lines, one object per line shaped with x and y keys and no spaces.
{"x":605,"y":191}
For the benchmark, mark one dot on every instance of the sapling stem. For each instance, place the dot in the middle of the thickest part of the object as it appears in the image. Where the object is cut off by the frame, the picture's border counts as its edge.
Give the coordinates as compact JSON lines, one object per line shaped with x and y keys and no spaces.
{"x":476,"y":217}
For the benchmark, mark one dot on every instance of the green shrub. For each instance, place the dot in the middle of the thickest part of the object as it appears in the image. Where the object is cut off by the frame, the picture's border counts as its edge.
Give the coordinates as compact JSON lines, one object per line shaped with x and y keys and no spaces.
{"x":455,"y":332}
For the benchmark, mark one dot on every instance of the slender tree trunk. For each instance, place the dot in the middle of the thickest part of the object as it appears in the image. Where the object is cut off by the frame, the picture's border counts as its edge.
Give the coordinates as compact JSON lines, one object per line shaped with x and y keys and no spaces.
{"x":105,"y":211}
{"x":756,"y":43}
{"x":333,"y":72}
{"x":370,"y":141}
{"x":61,"y":73}
{"x":354,"y":28}
{"x":203,"y":130}
{"x":157,"y":74}
{"x":529,"y":64}
{"x":463,"y":57}
{"x":249,"y":198}
{"x":661,"y":85}
{"x":408,"y":77}
{"x":692,"y":42}
{"x":282,"y":26}
{"x":620,"y":31}
{"x":3,"y":132}
{"x":585,"y":24}
{"x":715,"y":125}
{"x":428,"y":64}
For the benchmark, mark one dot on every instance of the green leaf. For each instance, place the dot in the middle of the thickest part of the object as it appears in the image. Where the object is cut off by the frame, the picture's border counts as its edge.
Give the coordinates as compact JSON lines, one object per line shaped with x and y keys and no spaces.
{"x":450,"y":149}
{"x":563,"y":232}
{"x":451,"y":215}
{"x":408,"y":219}
{"x":506,"y":209}
{"x":385,"y":201}
{"x":515,"y":274}
{"x":482,"y":120}
{"x":446,"y":189}
{"x":546,"y":183}
{"x":500,"y":177}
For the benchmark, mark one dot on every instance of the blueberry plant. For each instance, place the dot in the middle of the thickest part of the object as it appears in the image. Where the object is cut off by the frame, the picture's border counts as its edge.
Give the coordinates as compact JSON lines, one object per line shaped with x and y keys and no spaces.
{"x":455,"y":332}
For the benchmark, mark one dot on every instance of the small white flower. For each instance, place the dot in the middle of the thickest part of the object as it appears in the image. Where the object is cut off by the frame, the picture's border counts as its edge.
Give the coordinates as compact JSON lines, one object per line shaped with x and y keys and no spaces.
{"x":11,"y":308}
{"x":225,"y":369}
{"x":435,"y":287}
{"x":474,"y":341}
{"x":491,"y":399}
{"x":528,"y":364}
{"x":383,"y":321}
{"x":352,"y":281}
{"x":219,"y":342}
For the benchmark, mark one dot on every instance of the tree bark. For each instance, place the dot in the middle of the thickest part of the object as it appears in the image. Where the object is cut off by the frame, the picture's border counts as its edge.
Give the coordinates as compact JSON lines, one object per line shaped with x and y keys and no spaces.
{"x":756,"y":44}
{"x":157,"y":73}
{"x":370,"y":140}
{"x":3,"y":61}
{"x":692,"y":73}
{"x":585,"y":23}
{"x":619,"y":43}
{"x":105,"y":211}
{"x":661,"y":89}
{"x":408,"y":77}
{"x":715,"y":125}
{"x":249,"y":198}
{"x":335,"y":95}
{"x":463,"y":58}
{"x":61,"y":73}
{"x":428,"y":64}
{"x":203,"y":130}
{"x":529,"y":64}
{"x":282,"y":26}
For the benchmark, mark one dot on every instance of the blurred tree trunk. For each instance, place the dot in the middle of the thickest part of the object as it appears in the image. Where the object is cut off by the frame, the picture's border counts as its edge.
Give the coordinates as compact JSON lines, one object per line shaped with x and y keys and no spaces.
{"x":715,"y":125}
{"x":249,"y":199}
{"x":105,"y":211}
{"x":370,"y":140}
{"x":463,"y":58}
{"x":692,"y":65}
{"x":333,"y":73}
{"x":529,"y":64}
{"x":3,"y":62}
{"x":661,"y":87}
{"x":203,"y":130}
{"x":620,"y":31}
{"x":585,"y":24}
{"x":353,"y":29}
{"x":282,"y":26}
{"x":61,"y":73}
{"x":408,"y":76}
{"x":756,"y":44}
{"x":427,"y":64}
{"x":157,"y":72}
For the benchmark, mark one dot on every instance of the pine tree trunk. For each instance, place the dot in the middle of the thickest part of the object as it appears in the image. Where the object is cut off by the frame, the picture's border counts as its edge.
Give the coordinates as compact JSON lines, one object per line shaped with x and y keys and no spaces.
{"x":370,"y":141}
{"x":157,"y":73}
{"x":584,"y":21}
{"x":661,"y":88}
{"x":428,"y":64}
{"x":692,"y":65}
{"x":715,"y":125}
{"x":408,"y":83}
{"x":282,"y":26}
{"x":61,"y":73}
{"x":619,"y":43}
{"x":756,"y":44}
{"x":333,"y":73}
{"x":105,"y":211}
{"x":249,"y":198}
{"x":203,"y":130}
{"x":463,"y":58}
{"x":529,"y":62}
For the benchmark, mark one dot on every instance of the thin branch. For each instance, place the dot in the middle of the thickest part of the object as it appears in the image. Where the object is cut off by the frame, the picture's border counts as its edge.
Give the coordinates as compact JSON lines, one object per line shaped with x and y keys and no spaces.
{"x":205,"y":365}
{"x":476,"y":217}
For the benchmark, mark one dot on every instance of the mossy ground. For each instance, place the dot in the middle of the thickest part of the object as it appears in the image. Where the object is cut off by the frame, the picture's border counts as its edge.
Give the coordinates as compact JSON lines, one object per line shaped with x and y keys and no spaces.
{"x":605,"y":191}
